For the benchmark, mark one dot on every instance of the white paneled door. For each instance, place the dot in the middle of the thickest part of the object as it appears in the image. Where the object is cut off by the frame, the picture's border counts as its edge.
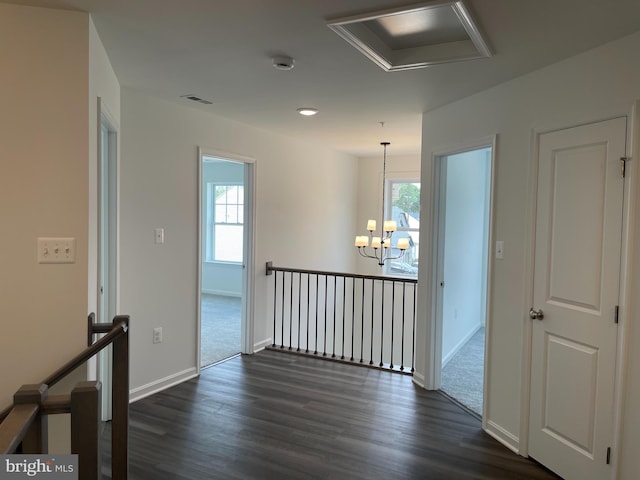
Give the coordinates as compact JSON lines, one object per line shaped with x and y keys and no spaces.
{"x":576,"y":289}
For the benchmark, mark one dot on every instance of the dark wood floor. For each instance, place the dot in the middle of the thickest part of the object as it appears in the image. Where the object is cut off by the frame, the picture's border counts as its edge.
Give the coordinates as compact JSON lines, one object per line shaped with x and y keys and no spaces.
{"x":278,"y":416}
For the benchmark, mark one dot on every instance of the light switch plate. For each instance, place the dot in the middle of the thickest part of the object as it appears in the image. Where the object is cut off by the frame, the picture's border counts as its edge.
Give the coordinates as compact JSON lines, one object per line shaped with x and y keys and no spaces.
{"x":159,"y":235}
{"x":56,"y":250}
{"x":500,"y":250}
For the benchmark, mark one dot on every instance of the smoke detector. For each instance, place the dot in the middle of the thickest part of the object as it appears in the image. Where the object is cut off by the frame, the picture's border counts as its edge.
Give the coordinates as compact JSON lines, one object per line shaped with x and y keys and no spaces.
{"x":282,"y":62}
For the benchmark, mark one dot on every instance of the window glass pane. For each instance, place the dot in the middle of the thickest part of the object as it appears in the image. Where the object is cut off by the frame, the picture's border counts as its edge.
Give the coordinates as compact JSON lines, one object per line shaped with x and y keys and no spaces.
{"x":405,"y":201}
{"x":232,"y":214}
{"x":221,"y":194}
{"x":221,"y":213}
{"x":228,"y":243}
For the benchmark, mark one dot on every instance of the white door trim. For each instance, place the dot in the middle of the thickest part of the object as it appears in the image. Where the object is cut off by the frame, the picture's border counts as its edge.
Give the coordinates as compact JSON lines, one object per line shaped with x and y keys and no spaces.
{"x":434,"y":321}
{"x":249,"y":252}
{"x":103,"y":371}
{"x":633,"y":138}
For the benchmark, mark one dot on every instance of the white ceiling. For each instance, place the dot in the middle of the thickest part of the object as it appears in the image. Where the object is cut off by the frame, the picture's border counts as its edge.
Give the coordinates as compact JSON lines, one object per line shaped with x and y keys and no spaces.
{"x":221,"y":50}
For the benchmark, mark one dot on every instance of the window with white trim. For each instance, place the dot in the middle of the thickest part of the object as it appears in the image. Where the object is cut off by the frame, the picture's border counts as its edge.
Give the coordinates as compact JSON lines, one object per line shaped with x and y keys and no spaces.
{"x":225,"y":222}
{"x":403,"y":206}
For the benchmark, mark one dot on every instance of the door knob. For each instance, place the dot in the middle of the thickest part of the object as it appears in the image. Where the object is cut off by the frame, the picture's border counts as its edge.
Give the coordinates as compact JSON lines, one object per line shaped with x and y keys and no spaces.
{"x":536,"y":314}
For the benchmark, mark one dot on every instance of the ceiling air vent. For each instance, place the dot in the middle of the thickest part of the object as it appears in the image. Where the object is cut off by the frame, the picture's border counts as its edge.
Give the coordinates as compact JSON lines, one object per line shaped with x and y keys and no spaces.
{"x":195,"y":98}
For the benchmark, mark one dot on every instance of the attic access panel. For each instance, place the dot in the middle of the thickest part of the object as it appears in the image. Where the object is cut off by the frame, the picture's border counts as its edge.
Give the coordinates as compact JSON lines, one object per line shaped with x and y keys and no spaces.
{"x":416,"y":36}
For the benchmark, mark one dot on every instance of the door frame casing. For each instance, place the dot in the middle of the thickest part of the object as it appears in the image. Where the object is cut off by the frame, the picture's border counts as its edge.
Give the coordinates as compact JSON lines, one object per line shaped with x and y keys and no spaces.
{"x":248,"y":269}
{"x":434,"y":321}
{"x":103,"y":365}
{"x":624,"y":298}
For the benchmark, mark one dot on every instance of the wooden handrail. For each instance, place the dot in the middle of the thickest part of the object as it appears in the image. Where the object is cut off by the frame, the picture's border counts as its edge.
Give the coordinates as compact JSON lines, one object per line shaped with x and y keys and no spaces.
{"x":16,"y":425}
{"x":120,"y":327}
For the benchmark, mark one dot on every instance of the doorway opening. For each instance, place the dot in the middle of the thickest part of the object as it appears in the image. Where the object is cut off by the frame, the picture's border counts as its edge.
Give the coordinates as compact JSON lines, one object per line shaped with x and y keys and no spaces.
{"x":225,"y":239}
{"x":464,"y":209}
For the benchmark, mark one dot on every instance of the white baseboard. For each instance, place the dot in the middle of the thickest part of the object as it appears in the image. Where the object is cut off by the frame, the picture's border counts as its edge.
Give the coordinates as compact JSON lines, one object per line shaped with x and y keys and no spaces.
{"x":460,"y":344}
{"x":222,"y":293}
{"x":418,"y":379}
{"x":505,"y":437}
{"x":156,"y":386}
{"x":261,"y":345}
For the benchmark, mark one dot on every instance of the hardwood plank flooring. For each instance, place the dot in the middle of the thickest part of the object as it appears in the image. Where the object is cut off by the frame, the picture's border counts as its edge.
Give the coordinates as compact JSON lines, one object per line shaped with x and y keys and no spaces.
{"x":275,"y":416}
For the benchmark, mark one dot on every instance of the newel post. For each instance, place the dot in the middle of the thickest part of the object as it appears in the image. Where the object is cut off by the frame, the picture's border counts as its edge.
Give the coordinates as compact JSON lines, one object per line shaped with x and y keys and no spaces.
{"x":120,"y":402}
{"x":85,"y":428}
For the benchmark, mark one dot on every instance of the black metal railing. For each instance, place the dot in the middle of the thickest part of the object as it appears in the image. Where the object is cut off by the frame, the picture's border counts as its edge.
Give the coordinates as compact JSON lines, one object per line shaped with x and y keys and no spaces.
{"x":363,"y":319}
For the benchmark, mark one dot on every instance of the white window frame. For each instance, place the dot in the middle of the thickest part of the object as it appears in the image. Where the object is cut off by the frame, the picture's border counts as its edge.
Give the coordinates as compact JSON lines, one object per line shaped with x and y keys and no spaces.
{"x":211,"y":221}
{"x":392,"y":178}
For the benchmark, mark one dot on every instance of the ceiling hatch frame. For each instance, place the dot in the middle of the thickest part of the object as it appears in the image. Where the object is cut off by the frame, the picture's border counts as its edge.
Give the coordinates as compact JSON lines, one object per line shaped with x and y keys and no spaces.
{"x":357,"y":31}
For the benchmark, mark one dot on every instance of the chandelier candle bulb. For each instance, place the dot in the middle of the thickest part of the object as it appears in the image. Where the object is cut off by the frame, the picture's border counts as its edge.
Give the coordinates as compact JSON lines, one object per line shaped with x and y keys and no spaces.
{"x":390,"y":226}
{"x":403,"y":243}
{"x":371,"y":225}
{"x":375,"y":242}
{"x":362,"y":241}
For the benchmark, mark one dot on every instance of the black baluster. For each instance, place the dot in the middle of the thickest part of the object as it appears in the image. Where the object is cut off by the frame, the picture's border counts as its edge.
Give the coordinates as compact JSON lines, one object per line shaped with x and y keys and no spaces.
{"x":324,"y":340}
{"x":344,"y":302}
{"x":335,"y":296}
{"x":299,"y":307}
{"x":306,"y":350}
{"x":373,"y":286}
{"x":393,"y":311}
{"x":282,"y":326}
{"x":353,"y":313}
{"x":290,"y":310}
{"x":315,"y":352}
{"x":404,"y":288}
{"x":382,"y":327}
{"x":275,"y":307}
{"x":362,"y":324}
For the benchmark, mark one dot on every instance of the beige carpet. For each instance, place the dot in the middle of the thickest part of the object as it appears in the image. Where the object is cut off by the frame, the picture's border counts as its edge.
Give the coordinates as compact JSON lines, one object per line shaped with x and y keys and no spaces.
{"x":220,"y":329}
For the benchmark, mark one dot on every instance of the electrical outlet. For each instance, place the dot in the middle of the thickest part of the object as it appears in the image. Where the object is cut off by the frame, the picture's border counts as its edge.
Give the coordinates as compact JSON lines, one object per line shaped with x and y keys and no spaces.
{"x":56,"y":250}
{"x":157,"y":335}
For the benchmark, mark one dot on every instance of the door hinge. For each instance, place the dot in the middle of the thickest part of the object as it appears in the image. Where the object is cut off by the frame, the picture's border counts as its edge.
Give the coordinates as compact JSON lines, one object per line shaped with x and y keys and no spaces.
{"x":608,"y":455}
{"x":623,"y":165}
{"x":616,"y":314}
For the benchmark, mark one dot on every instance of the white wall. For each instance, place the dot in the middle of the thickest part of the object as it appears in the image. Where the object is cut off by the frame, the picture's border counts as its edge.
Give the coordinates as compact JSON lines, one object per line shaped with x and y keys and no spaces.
{"x":595,"y":85}
{"x":44,"y":127}
{"x":305,"y":204}
{"x":467,"y":191}
{"x":370,"y":196}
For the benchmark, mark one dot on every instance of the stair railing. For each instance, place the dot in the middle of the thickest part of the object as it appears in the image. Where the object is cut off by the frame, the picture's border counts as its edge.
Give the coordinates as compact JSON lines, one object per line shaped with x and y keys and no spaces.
{"x":23,"y":426}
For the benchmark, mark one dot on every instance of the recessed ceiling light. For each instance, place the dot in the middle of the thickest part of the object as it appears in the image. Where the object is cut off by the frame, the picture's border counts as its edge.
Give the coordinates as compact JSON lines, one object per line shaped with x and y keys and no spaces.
{"x":307,"y":112}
